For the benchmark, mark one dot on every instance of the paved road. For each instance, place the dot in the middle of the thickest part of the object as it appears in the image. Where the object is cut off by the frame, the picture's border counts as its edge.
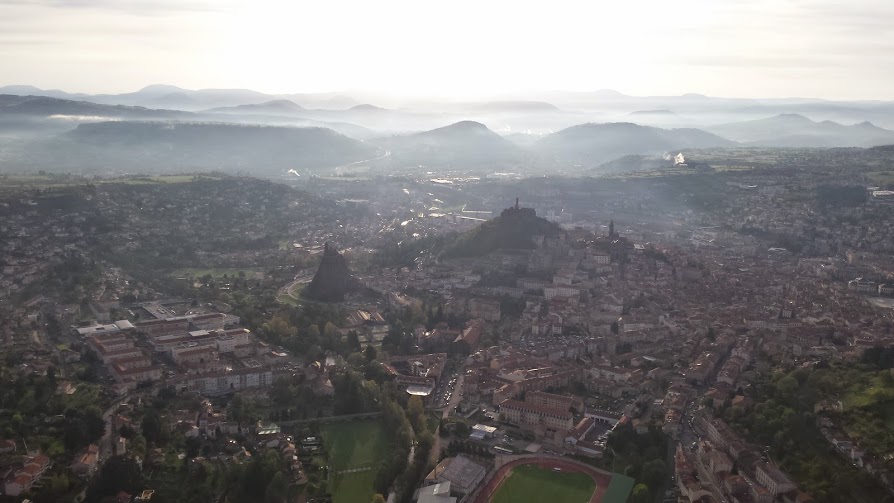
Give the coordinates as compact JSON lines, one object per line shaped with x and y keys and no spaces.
{"x":107,"y":442}
{"x":457,"y":396}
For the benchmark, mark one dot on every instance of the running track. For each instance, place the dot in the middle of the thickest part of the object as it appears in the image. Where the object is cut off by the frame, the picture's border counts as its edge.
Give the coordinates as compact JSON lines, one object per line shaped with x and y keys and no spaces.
{"x":601,"y":479}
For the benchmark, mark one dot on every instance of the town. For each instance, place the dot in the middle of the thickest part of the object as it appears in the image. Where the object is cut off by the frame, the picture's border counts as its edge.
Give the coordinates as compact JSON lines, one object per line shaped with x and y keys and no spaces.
{"x":713,"y":337}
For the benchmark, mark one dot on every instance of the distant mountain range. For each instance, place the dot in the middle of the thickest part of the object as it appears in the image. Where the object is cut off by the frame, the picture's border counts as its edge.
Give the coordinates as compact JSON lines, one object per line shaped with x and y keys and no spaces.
{"x":793,"y":130}
{"x":552,"y":110}
{"x":40,"y":113}
{"x":665,"y":113}
{"x":512,"y":107}
{"x":166,"y":96}
{"x":274,"y":134}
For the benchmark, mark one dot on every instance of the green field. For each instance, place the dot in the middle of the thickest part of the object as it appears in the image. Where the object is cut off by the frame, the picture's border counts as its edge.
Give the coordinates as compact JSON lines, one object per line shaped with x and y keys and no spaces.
{"x":529,"y":483}
{"x":292,"y":298}
{"x":881,"y":177}
{"x":288,"y":299}
{"x":353,"y":445}
{"x":231,"y":272}
{"x":618,"y":489}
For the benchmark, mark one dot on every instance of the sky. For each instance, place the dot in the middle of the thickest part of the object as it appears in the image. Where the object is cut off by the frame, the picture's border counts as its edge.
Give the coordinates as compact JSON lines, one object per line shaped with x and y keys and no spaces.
{"x":458,"y":48}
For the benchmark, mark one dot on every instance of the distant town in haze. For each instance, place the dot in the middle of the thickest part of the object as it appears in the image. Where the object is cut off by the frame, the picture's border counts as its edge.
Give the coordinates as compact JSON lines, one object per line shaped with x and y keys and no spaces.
{"x":440,"y":284}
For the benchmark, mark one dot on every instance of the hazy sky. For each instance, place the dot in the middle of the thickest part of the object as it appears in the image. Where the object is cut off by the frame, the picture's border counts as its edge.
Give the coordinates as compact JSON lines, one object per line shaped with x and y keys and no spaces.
{"x":461,"y":48}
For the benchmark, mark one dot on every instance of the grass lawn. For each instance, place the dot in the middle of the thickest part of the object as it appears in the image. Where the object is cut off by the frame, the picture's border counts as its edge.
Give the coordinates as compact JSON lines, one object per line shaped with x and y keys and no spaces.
{"x":865,"y":389}
{"x":296,"y":290}
{"x":529,"y":483}
{"x":355,"y":444}
{"x":352,"y":487}
{"x":293,"y":297}
{"x":288,"y":299}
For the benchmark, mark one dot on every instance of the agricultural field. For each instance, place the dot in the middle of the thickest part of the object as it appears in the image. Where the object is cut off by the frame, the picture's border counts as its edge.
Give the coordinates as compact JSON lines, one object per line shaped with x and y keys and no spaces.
{"x":354,"y":450}
{"x":532,"y":484}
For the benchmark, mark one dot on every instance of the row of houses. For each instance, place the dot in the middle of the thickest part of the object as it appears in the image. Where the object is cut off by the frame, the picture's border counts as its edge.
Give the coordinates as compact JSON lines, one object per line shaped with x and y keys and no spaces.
{"x":33,"y":468}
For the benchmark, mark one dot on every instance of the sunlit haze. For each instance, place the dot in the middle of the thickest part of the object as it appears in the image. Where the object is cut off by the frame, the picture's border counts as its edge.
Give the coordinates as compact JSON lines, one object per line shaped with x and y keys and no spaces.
{"x":458,"y":49}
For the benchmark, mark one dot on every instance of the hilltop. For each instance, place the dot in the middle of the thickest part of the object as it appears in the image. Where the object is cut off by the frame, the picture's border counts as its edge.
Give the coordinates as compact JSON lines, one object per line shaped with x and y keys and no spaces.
{"x":275,"y":107}
{"x":333,"y":279}
{"x":366,"y":107}
{"x":466,"y":142}
{"x":514,"y":228}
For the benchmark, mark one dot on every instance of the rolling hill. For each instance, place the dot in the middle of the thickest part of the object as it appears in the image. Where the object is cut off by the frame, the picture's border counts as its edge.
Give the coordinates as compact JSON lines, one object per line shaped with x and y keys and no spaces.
{"x":467,"y":142}
{"x":155,"y":147}
{"x":593,"y":144}
{"x":515,"y":228}
{"x":42,"y":106}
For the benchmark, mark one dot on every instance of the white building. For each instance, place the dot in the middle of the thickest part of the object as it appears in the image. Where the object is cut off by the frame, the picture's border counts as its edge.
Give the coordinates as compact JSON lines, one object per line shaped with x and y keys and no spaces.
{"x":221,"y":383}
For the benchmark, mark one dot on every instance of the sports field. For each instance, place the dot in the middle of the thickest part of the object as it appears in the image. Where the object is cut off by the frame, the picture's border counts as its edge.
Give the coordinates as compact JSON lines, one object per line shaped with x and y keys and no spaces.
{"x":530,"y":483}
{"x":355,"y":449}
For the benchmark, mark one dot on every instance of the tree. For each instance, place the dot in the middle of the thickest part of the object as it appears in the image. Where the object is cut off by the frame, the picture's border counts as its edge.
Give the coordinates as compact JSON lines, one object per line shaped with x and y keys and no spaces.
{"x":281,"y":392}
{"x":82,"y":427}
{"x":640,"y":494}
{"x":241,"y":409}
{"x":356,"y":360}
{"x":370,"y":353}
{"x":280,"y":328}
{"x":313,"y":334}
{"x":138,"y":445}
{"x":615,"y":328}
{"x":416,"y":414}
{"x":151,"y":426}
{"x":887,"y":379}
{"x":653,"y":473}
{"x":353,"y":341}
{"x":277,"y":490}
{"x":119,"y":473}
{"x":787,"y":386}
